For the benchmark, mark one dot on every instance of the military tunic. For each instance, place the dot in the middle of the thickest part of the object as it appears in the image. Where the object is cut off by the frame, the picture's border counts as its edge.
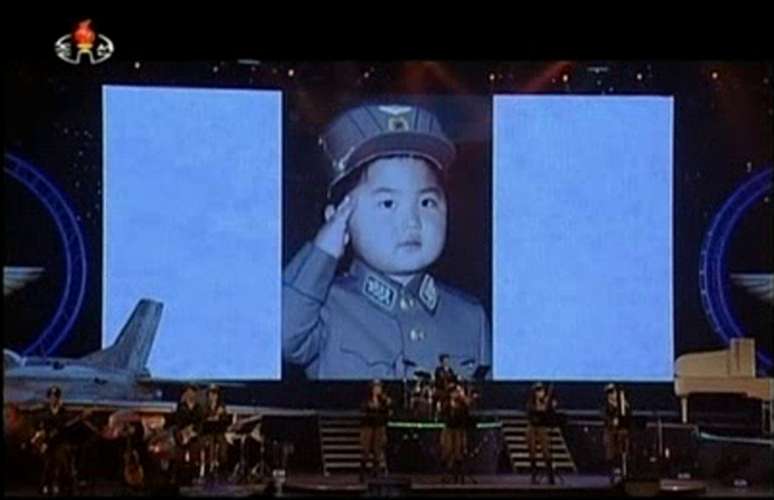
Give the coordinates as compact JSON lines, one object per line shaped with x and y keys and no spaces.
{"x":364,"y":325}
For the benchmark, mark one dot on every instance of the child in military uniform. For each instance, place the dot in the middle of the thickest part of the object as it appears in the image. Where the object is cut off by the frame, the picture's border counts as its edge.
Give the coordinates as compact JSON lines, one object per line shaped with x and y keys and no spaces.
{"x":387,"y":313}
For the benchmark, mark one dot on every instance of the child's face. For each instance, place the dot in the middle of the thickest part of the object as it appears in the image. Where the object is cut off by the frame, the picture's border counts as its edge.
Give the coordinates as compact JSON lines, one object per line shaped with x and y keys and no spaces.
{"x":399,"y":223}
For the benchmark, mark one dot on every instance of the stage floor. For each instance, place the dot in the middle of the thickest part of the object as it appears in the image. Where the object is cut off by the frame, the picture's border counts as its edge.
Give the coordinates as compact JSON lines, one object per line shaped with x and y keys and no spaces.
{"x":502,"y":485}
{"x":424,"y":485}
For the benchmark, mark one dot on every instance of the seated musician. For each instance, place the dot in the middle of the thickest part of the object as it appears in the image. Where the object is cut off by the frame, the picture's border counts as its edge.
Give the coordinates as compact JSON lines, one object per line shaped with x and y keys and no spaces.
{"x":445,"y":378}
{"x":49,"y":440}
{"x":455,"y":415}
{"x":541,"y":413}
{"x":617,"y":416}
{"x":213,"y":430}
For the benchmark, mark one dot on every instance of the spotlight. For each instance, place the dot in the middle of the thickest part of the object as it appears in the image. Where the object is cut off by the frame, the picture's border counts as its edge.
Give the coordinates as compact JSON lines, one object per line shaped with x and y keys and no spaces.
{"x":491,"y":77}
{"x":714,"y":75}
{"x":639,"y":77}
{"x":291,"y":72}
{"x":565,"y":78}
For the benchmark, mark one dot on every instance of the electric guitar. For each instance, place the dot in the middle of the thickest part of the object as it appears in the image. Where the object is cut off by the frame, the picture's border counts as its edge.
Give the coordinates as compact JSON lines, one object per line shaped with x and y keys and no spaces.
{"x":187,"y":434}
{"x":134,"y":475}
{"x":41,"y":440}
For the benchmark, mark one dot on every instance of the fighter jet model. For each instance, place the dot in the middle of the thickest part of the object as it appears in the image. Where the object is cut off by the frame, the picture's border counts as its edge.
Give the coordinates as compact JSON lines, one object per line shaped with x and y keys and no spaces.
{"x":118,"y":372}
{"x":116,"y":377}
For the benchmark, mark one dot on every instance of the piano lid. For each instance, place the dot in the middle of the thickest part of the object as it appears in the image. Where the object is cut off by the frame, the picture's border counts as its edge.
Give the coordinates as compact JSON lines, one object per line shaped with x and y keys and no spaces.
{"x":729,"y":370}
{"x":736,"y":361}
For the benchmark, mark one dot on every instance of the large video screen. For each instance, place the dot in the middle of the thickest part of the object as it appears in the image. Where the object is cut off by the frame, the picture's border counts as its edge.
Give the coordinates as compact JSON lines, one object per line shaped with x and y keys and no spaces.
{"x":192,"y":218}
{"x":531,"y":237}
{"x":583,"y":238}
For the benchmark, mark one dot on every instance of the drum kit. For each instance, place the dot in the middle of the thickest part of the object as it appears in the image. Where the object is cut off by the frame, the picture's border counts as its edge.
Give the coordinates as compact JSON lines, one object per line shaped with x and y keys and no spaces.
{"x":422,"y":400}
{"x":426,"y":398}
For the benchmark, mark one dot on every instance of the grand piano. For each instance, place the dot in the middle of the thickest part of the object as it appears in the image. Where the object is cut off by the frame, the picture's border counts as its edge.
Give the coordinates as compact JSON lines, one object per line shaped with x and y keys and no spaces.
{"x":727,"y":371}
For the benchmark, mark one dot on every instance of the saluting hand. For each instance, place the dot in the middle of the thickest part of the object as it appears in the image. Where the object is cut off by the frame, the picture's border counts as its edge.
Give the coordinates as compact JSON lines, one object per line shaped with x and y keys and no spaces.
{"x":333,"y":236}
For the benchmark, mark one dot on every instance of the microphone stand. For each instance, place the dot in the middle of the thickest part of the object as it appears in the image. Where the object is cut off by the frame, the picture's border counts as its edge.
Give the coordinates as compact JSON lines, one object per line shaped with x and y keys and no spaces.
{"x":621,"y":415}
{"x":406,"y":364}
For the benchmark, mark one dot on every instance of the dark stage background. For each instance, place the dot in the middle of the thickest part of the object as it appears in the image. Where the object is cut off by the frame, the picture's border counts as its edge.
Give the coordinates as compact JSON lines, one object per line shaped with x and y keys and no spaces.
{"x":722,"y":137}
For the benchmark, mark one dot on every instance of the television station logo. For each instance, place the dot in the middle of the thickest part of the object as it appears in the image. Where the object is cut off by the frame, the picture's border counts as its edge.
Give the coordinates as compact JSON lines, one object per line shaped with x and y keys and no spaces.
{"x":84,"y":44}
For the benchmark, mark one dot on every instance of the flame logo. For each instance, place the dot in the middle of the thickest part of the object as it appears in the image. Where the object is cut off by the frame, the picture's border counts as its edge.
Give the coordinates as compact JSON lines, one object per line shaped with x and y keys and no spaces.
{"x":94,"y":47}
{"x":84,"y":36}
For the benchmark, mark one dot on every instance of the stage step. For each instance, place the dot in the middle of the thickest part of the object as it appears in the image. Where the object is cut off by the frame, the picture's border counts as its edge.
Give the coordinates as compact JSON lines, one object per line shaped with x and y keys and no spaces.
{"x":342,"y":439}
{"x":340,"y":443}
{"x":341,"y":450}
{"x":341,"y":431}
{"x":515,"y":436}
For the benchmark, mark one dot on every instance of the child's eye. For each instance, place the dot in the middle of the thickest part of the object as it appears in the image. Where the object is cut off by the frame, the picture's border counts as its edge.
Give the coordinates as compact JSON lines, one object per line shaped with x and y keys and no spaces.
{"x":388,"y":204}
{"x":429,"y":203}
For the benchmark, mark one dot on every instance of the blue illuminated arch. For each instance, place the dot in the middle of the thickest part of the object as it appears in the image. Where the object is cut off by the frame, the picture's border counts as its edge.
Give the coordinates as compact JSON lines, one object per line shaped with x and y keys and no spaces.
{"x":713,"y":272}
{"x":70,"y":302}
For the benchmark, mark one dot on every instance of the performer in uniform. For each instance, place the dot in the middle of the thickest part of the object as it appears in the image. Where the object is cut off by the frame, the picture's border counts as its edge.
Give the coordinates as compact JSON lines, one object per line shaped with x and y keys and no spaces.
{"x":52,"y":443}
{"x":187,"y":426}
{"x":617,"y":416}
{"x":541,"y":407}
{"x":373,"y":430}
{"x":445,"y":380}
{"x":456,"y":415}
{"x":214,"y":446}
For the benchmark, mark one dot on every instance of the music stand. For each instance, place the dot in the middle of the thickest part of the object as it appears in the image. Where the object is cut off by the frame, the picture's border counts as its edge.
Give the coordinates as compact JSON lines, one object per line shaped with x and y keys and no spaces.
{"x":481,"y":371}
{"x":406,"y":364}
{"x":243,"y":429}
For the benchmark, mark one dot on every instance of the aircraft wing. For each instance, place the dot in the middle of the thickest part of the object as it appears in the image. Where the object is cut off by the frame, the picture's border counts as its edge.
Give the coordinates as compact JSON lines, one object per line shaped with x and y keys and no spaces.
{"x":15,"y":277}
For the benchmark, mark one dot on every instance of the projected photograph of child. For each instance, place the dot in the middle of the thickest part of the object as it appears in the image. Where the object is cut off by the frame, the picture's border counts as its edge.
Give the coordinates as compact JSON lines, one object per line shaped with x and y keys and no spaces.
{"x":386,"y":236}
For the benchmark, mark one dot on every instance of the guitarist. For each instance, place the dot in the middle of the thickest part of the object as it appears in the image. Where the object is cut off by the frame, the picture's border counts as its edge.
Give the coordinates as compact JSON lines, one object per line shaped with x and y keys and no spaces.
{"x":50,"y":442}
{"x":187,"y":422}
{"x":215,"y":423}
{"x":541,"y":409}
